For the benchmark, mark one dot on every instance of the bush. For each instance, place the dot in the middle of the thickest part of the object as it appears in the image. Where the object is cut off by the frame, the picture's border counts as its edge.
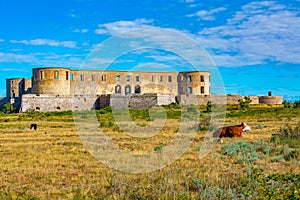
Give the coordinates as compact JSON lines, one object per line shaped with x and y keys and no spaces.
{"x":287,"y":104}
{"x":208,"y":107}
{"x":245,"y":103}
{"x":158,"y":148}
{"x":9,"y":108}
{"x":258,"y":185}
{"x":246,"y":152}
{"x":288,"y":132}
{"x":297,"y":104}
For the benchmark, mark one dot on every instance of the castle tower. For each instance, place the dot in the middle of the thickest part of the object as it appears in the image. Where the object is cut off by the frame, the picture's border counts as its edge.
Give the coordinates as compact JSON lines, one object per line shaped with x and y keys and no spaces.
{"x":51,"y":81}
{"x":13,"y":87}
{"x":194,"y":83}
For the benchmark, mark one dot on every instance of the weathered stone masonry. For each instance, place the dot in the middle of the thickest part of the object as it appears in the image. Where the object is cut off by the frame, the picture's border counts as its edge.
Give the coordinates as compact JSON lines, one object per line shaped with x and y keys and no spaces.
{"x":58,"y":89}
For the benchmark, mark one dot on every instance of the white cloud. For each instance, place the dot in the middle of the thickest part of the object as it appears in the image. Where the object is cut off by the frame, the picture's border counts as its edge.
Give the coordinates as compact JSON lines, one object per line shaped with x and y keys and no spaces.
{"x":17,"y":58}
{"x":189,"y":1}
{"x":77,"y":30}
{"x":260,"y":32}
{"x":207,"y":14}
{"x":43,"y":59}
{"x":46,"y":42}
{"x":122,"y":26}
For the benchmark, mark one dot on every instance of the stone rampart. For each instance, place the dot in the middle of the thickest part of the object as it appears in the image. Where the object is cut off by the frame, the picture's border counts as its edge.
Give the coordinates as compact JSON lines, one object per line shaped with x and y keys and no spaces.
{"x":57,"y":102}
{"x":270,"y":100}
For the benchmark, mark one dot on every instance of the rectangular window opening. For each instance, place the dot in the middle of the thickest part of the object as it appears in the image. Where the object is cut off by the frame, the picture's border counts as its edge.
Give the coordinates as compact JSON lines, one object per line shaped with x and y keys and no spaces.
{"x":118,"y":78}
{"x":67,"y":75}
{"x":202,"y":78}
{"x":137,"y":78}
{"x":103,"y":78}
{"x":202,"y":90}
{"x":56,"y":75}
{"x":42,"y":75}
{"x":170,"y":78}
{"x":190,"y":90}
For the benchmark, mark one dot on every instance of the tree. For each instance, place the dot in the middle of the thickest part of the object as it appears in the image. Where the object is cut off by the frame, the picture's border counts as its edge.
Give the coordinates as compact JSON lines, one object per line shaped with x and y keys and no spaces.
{"x":245,"y":103}
{"x":8,"y":108}
{"x":208,"y":107}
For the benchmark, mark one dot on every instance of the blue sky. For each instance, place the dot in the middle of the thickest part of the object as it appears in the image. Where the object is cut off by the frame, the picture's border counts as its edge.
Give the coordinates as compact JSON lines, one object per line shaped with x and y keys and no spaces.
{"x":255,"y":44}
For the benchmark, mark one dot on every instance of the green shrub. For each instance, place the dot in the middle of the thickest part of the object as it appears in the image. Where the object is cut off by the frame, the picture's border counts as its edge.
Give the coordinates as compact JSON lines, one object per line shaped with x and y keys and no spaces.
{"x":297,"y":104}
{"x":258,"y":185}
{"x":208,"y":107}
{"x":245,"y":103}
{"x":289,"y":132}
{"x":287,"y":104}
{"x":172,"y":106}
{"x":158,"y":148}
{"x":289,"y":153}
{"x":246,"y":152}
{"x":9,"y":108}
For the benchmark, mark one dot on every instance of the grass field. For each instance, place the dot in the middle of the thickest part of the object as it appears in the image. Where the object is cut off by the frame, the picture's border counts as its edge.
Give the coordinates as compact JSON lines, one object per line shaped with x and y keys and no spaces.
{"x":52,"y":162}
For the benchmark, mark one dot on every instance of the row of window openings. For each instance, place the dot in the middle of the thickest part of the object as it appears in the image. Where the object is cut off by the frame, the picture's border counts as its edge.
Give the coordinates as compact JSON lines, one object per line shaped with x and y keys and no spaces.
{"x":118,"y":78}
{"x":118,"y":89}
{"x":190,"y":90}
{"x":137,"y":78}
{"x":81,"y":77}
{"x":189,"y":78}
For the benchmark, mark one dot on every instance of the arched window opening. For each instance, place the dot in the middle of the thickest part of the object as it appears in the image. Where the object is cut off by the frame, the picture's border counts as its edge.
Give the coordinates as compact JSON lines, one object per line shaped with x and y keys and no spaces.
{"x":137,"y":89}
{"x":118,"y":89}
{"x":127,"y":89}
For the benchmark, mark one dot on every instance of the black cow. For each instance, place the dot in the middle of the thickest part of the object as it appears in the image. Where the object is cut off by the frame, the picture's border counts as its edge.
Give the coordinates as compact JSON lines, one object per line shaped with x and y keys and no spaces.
{"x":34,"y":126}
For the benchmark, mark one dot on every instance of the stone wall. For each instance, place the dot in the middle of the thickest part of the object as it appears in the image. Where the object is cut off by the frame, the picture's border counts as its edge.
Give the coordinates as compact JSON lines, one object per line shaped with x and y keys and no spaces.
{"x":270,"y":100}
{"x":139,"y":102}
{"x":45,"y":102}
{"x":223,"y":99}
{"x":254,"y":99}
{"x":165,"y":99}
{"x":203,"y":99}
{"x":118,"y":101}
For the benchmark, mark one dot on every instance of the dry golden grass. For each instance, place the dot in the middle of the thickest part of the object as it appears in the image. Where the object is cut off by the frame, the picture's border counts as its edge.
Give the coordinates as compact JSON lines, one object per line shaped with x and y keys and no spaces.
{"x":52,"y":162}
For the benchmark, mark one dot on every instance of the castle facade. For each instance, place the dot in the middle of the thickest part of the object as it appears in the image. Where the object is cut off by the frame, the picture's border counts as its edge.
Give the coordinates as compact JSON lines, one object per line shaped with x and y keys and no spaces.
{"x":52,"y":89}
{"x":59,"y":89}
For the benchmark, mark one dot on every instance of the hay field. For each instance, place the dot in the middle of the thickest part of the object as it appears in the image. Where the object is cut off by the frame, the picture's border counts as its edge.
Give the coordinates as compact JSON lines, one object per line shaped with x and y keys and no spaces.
{"x":53,"y":163}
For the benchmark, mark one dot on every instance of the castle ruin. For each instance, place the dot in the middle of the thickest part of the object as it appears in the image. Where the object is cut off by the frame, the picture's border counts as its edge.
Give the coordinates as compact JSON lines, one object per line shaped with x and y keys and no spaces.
{"x":60,"y":89}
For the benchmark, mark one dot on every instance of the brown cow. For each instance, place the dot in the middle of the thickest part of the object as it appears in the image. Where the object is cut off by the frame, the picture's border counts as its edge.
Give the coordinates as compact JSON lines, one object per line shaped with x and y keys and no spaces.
{"x":231,"y":131}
